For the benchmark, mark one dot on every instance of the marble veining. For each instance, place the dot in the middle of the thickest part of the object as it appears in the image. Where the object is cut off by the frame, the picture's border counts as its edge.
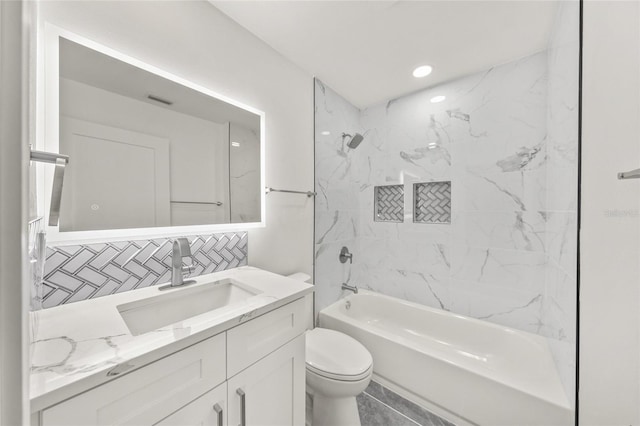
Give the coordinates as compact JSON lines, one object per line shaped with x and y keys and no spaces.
{"x":72,"y":351}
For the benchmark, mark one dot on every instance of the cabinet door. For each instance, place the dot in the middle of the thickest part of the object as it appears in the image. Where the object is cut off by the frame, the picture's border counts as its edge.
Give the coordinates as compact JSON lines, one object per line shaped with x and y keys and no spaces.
{"x":208,"y":410}
{"x":273,"y":389}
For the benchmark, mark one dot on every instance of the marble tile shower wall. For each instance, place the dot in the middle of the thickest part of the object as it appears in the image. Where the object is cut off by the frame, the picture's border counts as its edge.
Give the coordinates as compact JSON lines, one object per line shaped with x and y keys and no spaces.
{"x":508,"y":254}
{"x":79,"y":272}
{"x":488,"y":139}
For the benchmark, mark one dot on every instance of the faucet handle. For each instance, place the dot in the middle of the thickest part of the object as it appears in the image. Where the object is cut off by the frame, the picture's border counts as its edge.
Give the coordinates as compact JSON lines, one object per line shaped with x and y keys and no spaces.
{"x":345,"y":255}
{"x":185,"y":248}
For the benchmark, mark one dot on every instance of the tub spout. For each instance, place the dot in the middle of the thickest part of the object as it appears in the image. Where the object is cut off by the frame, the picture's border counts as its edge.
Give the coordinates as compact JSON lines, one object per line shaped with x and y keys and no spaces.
{"x":352,"y":288}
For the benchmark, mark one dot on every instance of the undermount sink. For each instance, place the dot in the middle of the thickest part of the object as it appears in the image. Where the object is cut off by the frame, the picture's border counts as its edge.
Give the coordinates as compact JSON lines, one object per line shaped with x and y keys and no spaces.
{"x":180,"y":304}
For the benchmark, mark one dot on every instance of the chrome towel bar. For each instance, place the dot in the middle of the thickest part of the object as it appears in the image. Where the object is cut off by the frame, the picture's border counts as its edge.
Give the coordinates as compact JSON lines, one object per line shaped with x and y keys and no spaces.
{"x":217,"y":203}
{"x":307,"y":193}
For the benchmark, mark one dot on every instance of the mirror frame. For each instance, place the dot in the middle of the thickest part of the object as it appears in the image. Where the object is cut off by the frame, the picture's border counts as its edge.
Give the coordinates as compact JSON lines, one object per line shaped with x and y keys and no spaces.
{"x":47,"y":139}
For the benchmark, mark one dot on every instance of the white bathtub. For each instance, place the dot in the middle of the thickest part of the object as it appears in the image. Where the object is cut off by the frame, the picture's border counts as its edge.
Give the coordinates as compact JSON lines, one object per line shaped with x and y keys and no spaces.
{"x":465,"y":369}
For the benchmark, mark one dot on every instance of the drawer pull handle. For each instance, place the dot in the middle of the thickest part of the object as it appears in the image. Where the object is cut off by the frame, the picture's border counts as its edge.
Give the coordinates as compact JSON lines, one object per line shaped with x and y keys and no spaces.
{"x":119,"y":369}
{"x":243,"y":407}
{"x":218,"y":411}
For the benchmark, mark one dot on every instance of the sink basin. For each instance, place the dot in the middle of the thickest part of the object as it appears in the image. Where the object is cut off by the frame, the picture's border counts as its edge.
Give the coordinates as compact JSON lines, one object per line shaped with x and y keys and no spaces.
{"x":180,"y":304}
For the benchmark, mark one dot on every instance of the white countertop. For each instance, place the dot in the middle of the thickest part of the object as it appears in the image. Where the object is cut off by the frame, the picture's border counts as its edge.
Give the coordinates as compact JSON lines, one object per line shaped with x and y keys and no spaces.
{"x":74,"y":346}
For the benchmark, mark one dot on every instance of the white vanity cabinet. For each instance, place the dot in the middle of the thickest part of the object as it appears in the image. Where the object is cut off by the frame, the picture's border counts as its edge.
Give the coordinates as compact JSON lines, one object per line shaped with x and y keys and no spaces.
{"x":262,"y":357}
{"x":271,"y":392}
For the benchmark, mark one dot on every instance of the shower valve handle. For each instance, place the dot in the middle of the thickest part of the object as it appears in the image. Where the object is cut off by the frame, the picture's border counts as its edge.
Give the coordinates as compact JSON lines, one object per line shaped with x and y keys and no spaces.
{"x":345,"y":255}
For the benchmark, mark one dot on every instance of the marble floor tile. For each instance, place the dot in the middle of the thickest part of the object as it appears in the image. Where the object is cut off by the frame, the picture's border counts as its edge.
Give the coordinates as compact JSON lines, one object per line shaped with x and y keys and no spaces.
{"x":409,"y":409}
{"x":374,"y":413}
{"x":379,"y":406}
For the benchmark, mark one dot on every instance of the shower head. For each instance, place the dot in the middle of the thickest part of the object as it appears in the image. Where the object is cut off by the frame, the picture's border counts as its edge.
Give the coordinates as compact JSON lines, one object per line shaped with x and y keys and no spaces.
{"x":354,"y":140}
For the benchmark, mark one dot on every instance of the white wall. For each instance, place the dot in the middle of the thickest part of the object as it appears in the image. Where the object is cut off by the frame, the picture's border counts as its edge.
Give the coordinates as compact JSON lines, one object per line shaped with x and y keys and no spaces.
{"x":610,"y":229}
{"x":197,"y":42}
{"x":14,"y":288}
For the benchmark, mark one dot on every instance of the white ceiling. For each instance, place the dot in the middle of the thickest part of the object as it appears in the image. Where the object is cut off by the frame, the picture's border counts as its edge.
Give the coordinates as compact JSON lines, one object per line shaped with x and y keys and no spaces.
{"x":367,"y":50}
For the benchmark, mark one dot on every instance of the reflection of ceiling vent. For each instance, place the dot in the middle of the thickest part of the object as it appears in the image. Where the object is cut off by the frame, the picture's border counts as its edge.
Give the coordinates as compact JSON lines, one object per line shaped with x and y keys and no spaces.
{"x":157,"y":99}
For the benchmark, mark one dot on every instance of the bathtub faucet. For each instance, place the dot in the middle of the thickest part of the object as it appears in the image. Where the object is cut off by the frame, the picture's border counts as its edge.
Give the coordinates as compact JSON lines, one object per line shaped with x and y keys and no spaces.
{"x":352,"y":288}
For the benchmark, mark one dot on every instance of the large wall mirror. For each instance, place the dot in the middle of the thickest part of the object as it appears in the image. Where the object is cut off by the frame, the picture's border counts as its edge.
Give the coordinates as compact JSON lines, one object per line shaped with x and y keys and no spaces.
{"x":147,"y":149}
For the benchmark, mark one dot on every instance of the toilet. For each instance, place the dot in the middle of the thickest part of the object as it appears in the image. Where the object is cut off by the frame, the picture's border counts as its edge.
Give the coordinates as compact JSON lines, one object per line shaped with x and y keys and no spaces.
{"x":338,"y":368}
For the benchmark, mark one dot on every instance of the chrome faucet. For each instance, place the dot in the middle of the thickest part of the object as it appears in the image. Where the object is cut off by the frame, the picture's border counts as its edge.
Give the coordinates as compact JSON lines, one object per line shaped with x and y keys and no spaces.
{"x":352,"y":288}
{"x":181,"y":249}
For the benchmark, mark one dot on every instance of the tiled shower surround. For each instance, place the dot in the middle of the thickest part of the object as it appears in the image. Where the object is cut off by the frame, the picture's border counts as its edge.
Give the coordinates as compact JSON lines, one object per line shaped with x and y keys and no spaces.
{"x":506,"y":138}
{"x":80,"y":272}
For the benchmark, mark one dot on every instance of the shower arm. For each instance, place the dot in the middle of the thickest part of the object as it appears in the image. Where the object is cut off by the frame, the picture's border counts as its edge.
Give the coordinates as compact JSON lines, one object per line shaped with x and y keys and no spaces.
{"x":344,"y":136}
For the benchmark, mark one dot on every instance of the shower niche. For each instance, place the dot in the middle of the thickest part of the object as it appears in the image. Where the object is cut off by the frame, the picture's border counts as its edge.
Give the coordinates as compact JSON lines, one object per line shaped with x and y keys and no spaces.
{"x":432,"y":202}
{"x":389,"y":203}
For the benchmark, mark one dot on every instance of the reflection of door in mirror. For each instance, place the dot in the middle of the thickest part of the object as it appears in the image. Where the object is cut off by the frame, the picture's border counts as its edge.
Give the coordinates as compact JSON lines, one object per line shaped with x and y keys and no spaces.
{"x":118,"y":179}
{"x":196,"y":172}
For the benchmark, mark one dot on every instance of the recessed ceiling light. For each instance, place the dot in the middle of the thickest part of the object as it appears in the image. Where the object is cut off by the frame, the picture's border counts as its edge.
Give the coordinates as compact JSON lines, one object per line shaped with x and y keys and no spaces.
{"x":325,"y":133}
{"x":235,"y":144}
{"x":422,"y":71}
{"x":437,"y":99}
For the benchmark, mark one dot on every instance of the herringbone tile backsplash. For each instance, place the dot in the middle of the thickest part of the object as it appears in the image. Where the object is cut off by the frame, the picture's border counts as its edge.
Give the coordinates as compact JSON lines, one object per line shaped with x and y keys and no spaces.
{"x":74,"y":273}
{"x":432,"y":202}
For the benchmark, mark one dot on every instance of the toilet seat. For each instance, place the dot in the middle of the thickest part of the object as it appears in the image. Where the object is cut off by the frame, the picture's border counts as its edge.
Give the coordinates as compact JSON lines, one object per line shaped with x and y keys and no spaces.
{"x":336,"y":356}
{"x":339,"y":377}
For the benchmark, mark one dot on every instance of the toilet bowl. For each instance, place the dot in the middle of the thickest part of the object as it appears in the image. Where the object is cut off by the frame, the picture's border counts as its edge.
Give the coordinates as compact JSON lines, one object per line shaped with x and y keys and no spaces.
{"x":338,"y":368}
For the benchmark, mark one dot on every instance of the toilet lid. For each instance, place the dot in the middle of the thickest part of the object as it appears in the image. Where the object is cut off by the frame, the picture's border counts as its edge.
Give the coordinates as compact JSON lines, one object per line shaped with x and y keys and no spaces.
{"x":335,"y":355}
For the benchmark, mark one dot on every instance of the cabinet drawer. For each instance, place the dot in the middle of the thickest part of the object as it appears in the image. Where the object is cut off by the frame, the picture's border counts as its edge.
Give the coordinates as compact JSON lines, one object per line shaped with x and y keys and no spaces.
{"x":249,"y":342}
{"x":149,"y":394}
{"x":208,"y":410}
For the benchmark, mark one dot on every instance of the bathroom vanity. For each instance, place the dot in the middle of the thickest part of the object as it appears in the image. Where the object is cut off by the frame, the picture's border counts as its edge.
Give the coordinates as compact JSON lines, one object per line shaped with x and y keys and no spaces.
{"x":242,"y":362}
{"x":227,"y":349}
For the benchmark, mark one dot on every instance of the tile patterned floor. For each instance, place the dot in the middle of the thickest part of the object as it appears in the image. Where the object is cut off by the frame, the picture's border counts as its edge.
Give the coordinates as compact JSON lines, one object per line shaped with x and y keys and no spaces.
{"x":379,"y":406}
